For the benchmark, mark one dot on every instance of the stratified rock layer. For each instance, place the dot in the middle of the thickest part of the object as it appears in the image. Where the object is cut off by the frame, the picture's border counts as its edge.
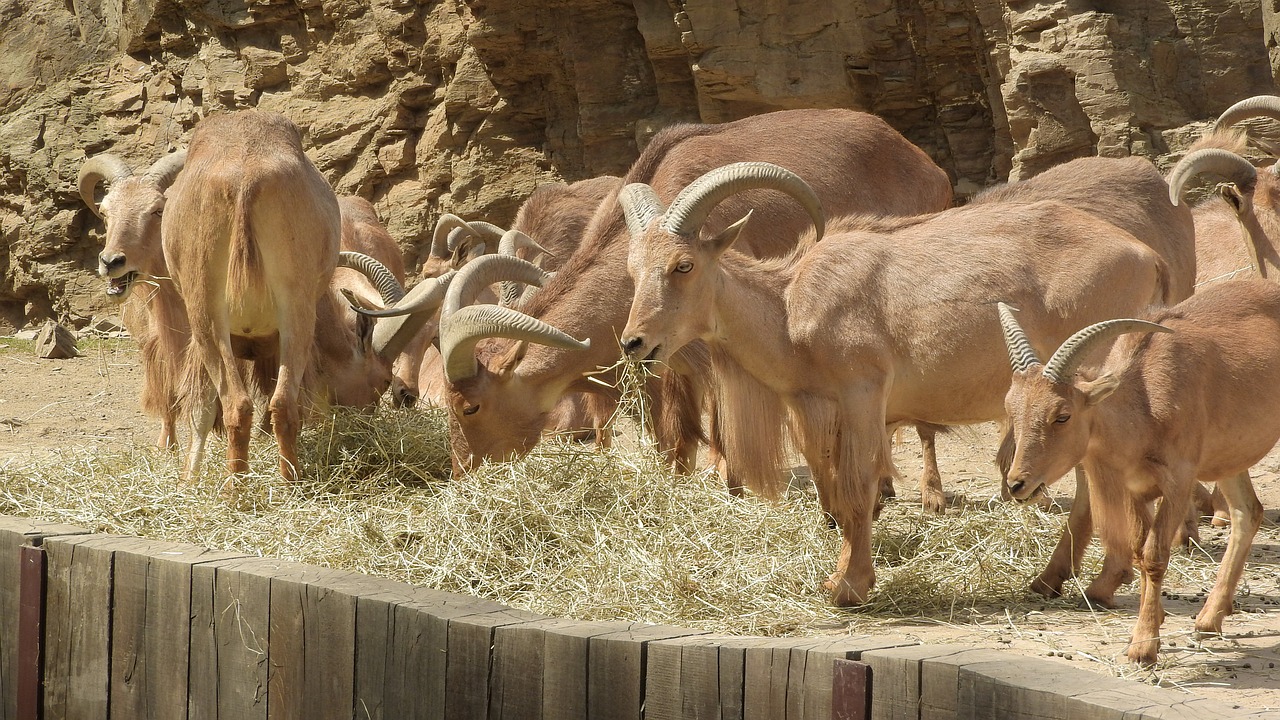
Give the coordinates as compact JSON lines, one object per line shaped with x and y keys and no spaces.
{"x":465,"y":107}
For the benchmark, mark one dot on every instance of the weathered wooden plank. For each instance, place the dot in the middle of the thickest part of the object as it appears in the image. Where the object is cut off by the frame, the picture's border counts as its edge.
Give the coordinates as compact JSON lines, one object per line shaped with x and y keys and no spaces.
{"x":896,"y":692}
{"x":812,"y":666}
{"x":734,"y":678}
{"x":766,"y":676}
{"x":240,"y":612}
{"x":311,"y":657}
{"x":940,"y":684}
{"x":567,"y":667}
{"x":615,"y":681}
{"x":16,"y":532}
{"x":682,"y":678}
{"x":77,"y":675}
{"x":470,"y":642}
{"x":151,"y":626}
{"x":30,"y":651}
{"x":850,"y":690}
{"x":414,"y":663}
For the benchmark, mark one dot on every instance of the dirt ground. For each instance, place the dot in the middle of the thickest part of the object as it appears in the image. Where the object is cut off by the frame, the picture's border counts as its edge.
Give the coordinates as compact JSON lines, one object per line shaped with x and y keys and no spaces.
{"x":92,"y":401}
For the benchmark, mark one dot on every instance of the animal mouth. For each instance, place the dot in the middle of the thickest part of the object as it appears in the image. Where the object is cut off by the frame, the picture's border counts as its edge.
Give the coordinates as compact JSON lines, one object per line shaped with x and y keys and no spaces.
{"x":118,"y":287}
{"x":653,"y":354}
{"x":1025,"y":490}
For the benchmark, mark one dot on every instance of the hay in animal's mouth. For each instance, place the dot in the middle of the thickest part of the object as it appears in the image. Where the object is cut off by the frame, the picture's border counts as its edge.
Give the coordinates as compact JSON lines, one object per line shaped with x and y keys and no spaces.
{"x":118,"y":287}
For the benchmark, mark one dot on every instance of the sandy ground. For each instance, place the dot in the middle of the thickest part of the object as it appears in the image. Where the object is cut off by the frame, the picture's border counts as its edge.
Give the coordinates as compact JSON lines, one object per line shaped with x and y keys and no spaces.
{"x":92,"y":401}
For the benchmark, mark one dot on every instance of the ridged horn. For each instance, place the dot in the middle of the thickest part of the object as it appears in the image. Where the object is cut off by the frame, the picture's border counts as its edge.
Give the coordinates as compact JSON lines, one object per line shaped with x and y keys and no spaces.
{"x":640,"y":205}
{"x":382,"y":278}
{"x":1062,"y":366}
{"x":461,"y":330}
{"x":440,"y":236}
{"x":485,"y":271}
{"x":96,"y":169}
{"x":165,"y":170}
{"x":694,"y":204}
{"x":1021,"y":354}
{"x":513,"y":241}
{"x":1211,"y":160}
{"x":477,"y":228}
{"x":1256,"y":106}
{"x":402,"y":323}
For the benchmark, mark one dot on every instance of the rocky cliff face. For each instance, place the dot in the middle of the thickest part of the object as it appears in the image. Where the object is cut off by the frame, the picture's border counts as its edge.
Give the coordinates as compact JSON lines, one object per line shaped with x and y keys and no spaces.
{"x":464,"y":107}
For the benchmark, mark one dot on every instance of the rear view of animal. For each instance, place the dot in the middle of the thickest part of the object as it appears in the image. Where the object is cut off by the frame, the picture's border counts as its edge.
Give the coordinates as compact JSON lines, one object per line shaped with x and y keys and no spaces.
{"x":132,"y":262}
{"x":252,"y":237}
{"x":1194,"y":400}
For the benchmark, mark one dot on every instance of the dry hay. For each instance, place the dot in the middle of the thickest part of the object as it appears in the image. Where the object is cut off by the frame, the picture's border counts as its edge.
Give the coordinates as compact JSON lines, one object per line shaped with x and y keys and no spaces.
{"x":568,"y":531}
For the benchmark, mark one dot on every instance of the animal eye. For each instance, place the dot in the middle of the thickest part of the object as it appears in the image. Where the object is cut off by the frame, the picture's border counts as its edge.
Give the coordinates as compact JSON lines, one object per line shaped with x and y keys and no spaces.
{"x":1061,"y":419}
{"x":158,"y":213}
{"x":684,"y":266}
{"x":471,"y":410}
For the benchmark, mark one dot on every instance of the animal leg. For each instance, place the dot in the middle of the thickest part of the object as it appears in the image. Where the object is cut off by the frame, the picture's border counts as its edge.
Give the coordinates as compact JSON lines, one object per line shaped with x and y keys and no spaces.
{"x":203,"y":416}
{"x":1152,"y":552}
{"x":861,"y":459}
{"x":931,"y":495}
{"x":1221,"y":509}
{"x":297,"y":336}
{"x":1246,"y":516}
{"x":168,"y":437}
{"x":1065,"y":561}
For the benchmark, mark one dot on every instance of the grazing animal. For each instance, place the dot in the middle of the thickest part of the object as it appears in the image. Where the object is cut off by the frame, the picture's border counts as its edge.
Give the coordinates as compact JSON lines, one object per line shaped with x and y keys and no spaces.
{"x":132,"y":259}
{"x":1130,"y":194}
{"x":882,"y":322}
{"x":501,"y":388}
{"x":363,"y":233}
{"x":1162,"y":411}
{"x":252,"y":234}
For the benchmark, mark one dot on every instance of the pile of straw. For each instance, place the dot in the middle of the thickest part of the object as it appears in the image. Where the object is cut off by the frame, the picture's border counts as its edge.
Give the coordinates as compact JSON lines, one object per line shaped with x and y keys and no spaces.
{"x":568,"y":531}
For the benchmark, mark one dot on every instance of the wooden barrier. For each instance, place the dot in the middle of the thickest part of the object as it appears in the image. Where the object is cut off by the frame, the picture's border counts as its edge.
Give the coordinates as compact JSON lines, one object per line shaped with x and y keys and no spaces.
{"x":142,"y":629}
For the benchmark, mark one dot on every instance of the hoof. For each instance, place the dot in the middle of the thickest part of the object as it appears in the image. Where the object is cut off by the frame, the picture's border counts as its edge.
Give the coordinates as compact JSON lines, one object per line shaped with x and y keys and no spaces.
{"x":845,"y":593}
{"x":1047,"y":587}
{"x":934,"y":504}
{"x":1101,"y":600}
{"x":1143,"y":654}
{"x":1220,"y":519}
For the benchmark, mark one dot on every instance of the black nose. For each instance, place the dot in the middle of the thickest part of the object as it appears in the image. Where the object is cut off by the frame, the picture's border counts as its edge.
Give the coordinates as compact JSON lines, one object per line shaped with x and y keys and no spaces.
{"x":1016,"y":486}
{"x":630,"y":345}
{"x":111,"y":263}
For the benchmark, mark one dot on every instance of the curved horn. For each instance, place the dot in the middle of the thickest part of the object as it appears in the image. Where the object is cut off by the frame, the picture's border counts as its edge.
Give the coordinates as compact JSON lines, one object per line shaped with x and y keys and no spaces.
{"x":513,"y":241}
{"x":447,"y":223}
{"x":1214,"y":160}
{"x":1257,"y":106}
{"x":378,"y":274}
{"x":1062,"y":366}
{"x":165,"y":170}
{"x":461,"y":330}
{"x":485,"y":271}
{"x":392,"y":335}
{"x":477,"y":228}
{"x":692,"y":206}
{"x":1021,"y":354}
{"x":640,"y":205}
{"x":96,"y":169}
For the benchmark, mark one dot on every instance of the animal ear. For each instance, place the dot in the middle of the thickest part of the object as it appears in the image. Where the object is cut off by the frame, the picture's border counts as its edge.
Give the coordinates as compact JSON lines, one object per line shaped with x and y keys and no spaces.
{"x":364,"y":331}
{"x":1095,"y":391}
{"x":722,"y":240}
{"x":1234,"y":196}
{"x":512,"y":359}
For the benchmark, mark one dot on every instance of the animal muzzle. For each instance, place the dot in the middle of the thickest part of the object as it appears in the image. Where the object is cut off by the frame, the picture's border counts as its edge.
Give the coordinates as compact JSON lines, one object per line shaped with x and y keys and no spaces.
{"x":119,"y":278}
{"x":637,"y":348}
{"x":1023,"y":487}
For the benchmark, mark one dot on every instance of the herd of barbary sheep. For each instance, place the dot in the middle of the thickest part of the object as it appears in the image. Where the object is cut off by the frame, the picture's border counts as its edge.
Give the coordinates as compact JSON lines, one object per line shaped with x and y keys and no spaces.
{"x":798,"y":274}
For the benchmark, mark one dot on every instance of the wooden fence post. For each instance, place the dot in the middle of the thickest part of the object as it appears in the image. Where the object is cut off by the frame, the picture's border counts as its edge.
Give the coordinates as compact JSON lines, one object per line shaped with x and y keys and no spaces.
{"x":31,"y":579}
{"x":851,"y":691}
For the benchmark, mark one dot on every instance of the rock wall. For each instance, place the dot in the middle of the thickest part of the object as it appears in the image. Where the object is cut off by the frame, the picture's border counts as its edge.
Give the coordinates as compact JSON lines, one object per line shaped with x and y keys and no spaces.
{"x":464,"y":107}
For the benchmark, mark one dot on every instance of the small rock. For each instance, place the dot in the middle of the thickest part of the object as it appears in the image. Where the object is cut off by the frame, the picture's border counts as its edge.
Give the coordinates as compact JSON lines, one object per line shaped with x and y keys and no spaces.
{"x":55,"y":342}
